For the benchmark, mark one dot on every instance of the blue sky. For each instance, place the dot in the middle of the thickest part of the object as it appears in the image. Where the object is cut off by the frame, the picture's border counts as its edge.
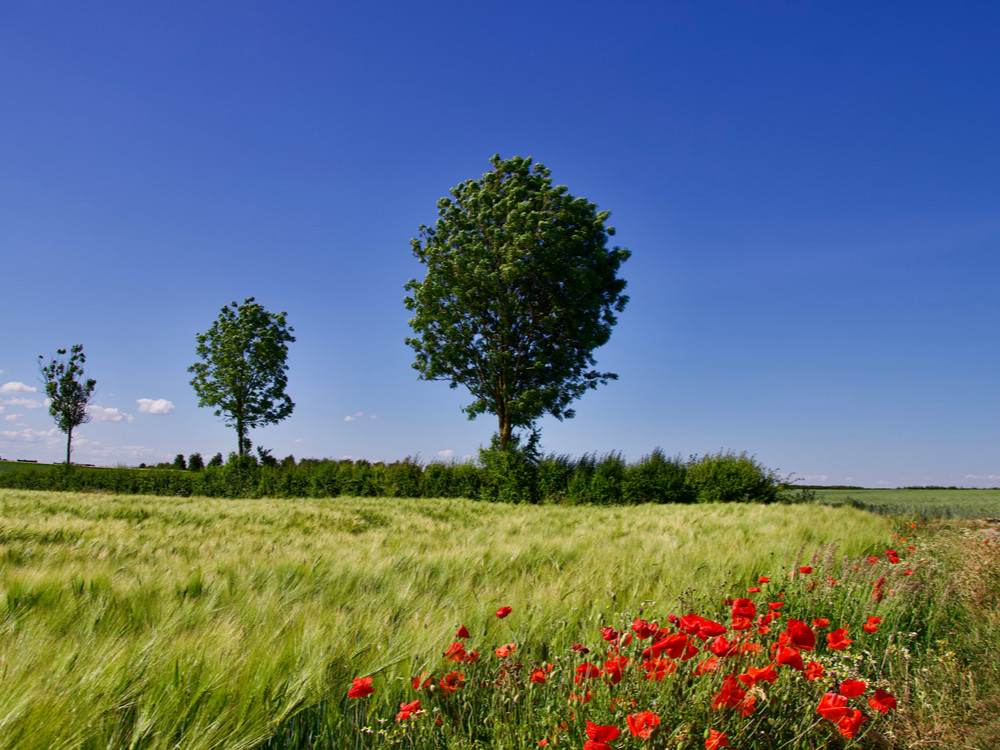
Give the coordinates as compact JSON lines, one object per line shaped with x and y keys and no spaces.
{"x":810,"y":191}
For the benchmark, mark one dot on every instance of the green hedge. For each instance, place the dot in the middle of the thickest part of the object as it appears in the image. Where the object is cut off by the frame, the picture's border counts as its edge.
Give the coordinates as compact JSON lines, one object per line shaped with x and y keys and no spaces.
{"x":513,"y":476}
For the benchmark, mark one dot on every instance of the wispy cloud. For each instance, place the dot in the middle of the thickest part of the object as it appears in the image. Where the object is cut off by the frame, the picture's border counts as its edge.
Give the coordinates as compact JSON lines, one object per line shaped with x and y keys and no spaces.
{"x":109,"y":414}
{"x":815,"y":477}
{"x":357,"y":415}
{"x":27,"y":403}
{"x":446,"y":453}
{"x":991,"y":477}
{"x":12,"y":417}
{"x":17,"y":387}
{"x":28,"y":436}
{"x":155,"y":405}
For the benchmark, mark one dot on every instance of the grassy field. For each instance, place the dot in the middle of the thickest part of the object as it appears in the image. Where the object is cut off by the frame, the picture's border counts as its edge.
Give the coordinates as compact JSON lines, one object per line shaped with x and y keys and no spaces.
{"x":150,"y":622}
{"x":929,"y":503}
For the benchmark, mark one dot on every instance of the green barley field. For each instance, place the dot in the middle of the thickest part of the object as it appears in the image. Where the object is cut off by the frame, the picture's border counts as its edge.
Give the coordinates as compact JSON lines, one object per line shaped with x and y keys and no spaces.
{"x":207,"y":623}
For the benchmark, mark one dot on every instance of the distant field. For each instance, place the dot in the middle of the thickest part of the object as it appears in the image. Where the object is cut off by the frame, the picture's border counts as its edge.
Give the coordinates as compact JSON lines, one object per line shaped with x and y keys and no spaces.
{"x":933,"y":503}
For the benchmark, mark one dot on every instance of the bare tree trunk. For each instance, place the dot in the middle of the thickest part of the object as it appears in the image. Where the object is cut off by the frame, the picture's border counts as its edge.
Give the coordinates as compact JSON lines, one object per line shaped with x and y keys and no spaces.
{"x":69,"y":440}
{"x":505,"y":432}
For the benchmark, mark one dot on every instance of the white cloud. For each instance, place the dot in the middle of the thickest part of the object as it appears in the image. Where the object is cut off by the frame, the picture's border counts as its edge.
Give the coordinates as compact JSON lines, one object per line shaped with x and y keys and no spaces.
{"x":815,"y":477}
{"x":12,"y":417}
{"x":983,"y":476}
{"x":446,"y":453}
{"x":357,"y":415}
{"x":27,"y":403}
{"x":110,"y":414}
{"x":349,"y":418}
{"x":155,"y":406}
{"x":51,"y":436}
{"x":17,"y":387}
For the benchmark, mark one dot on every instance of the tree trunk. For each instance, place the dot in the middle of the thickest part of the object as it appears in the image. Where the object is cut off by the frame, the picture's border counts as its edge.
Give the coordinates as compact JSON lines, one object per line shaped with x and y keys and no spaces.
{"x":505,"y":432}
{"x":69,"y":440}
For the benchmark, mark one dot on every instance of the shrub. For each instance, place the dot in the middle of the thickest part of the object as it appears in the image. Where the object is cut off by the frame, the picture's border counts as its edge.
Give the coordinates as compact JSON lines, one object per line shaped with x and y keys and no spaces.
{"x":726,"y":477}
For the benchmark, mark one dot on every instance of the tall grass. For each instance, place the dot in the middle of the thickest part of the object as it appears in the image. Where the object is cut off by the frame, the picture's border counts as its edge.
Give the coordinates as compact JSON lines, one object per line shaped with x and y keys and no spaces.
{"x":151,"y":622}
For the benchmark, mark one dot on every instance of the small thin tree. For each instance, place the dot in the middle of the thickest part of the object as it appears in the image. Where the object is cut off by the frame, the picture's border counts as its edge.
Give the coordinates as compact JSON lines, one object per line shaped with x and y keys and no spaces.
{"x":69,"y":394}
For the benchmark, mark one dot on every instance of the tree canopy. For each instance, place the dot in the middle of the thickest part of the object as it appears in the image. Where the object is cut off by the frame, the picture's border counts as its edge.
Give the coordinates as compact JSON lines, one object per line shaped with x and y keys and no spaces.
{"x":242,"y":372}
{"x":69,"y":394}
{"x":520,"y":289}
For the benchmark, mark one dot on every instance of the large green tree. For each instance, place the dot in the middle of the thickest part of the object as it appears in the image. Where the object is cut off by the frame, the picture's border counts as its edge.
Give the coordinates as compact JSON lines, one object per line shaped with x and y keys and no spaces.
{"x":68,"y":392}
{"x":521,"y":287}
{"x":242,"y":368}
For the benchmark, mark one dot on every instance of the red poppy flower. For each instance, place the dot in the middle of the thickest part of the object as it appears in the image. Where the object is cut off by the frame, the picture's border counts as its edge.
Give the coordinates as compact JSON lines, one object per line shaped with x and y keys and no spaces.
{"x":833,"y":707}
{"x":813,"y":670}
{"x":406,"y":710}
{"x":642,"y":724}
{"x":805,"y":569}
{"x":820,"y":622}
{"x":883,"y":701}
{"x":753,"y":590}
{"x":800,"y":635}
{"x":600,"y":735}
{"x":503,"y":612}
{"x":853,"y":688}
{"x":540,"y":674}
{"x":416,"y":681}
{"x":716,"y":739}
{"x":580,"y":648}
{"x":674,"y":646}
{"x":872,"y":625}
{"x":731,"y":695}
{"x":452,"y":681}
{"x":742,"y":623}
{"x":851,"y":723}
{"x":586,"y":671}
{"x":878,"y":589}
{"x":657,"y":669}
{"x":462,"y":633}
{"x":361,"y":687}
{"x":831,"y":580}
{"x":744,"y":608}
{"x":753,"y":675}
{"x":775,"y":605}
{"x":455,"y":652}
{"x":609,"y":634}
{"x":872,"y":559}
{"x":763,"y":579}
{"x":644,"y":629}
{"x":506,"y":650}
{"x":838,"y":640}
{"x":790,"y":657}
{"x":613,"y":668}
{"x":721,"y":647}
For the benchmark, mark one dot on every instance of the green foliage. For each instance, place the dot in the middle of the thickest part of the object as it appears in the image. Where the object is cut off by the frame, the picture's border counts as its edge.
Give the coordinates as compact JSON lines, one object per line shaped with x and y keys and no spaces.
{"x":179,"y":463}
{"x":69,"y":394}
{"x":659,"y":479}
{"x":242,"y":369}
{"x":518,"y":474}
{"x":509,"y":471}
{"x":727,"y":477}
{"x":195,"y":462}
{"x":520,"y":289}
{"x":215,"y":460}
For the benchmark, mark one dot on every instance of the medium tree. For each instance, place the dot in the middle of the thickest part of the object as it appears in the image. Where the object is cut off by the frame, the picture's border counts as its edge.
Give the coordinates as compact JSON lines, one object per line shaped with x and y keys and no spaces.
{"x":69,"y":394}
{"x":242,"y":369}
{"x":520,"y":289}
